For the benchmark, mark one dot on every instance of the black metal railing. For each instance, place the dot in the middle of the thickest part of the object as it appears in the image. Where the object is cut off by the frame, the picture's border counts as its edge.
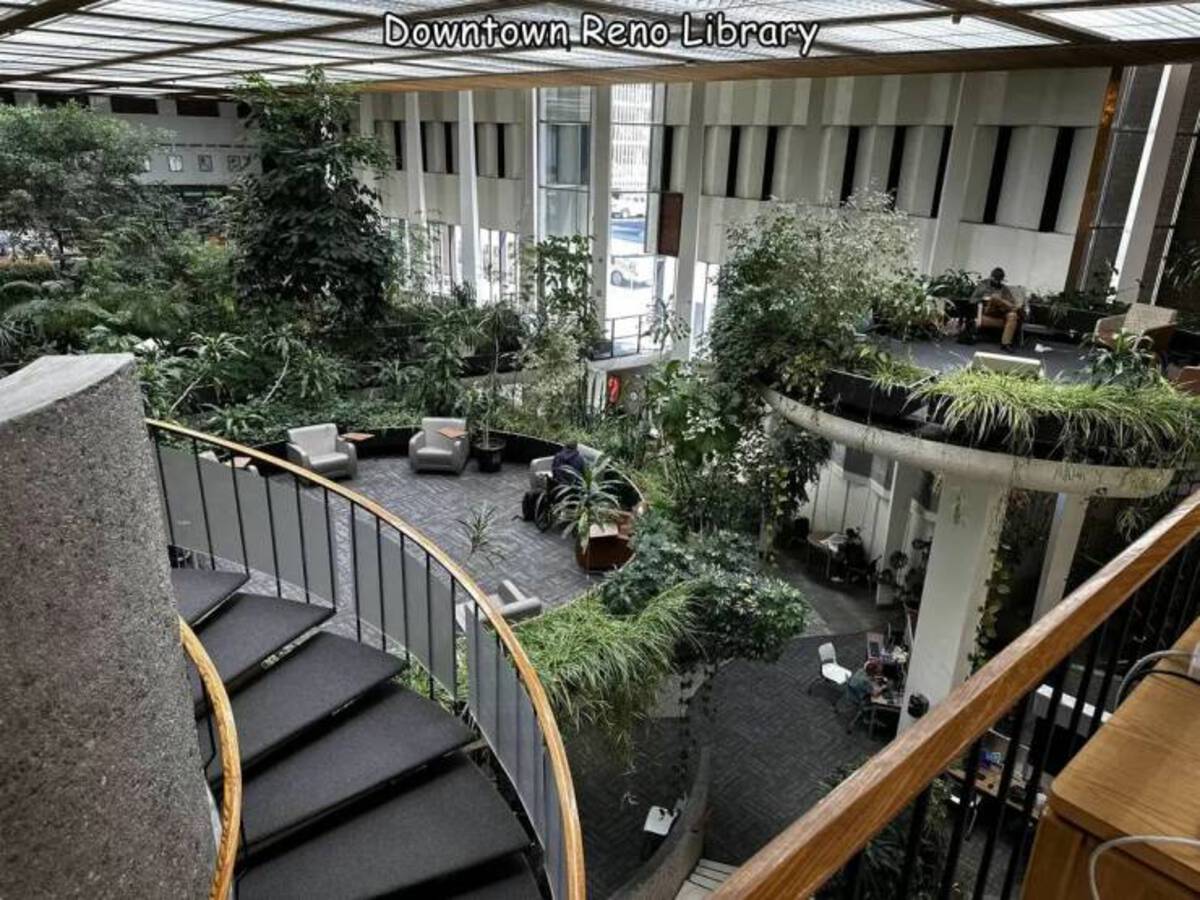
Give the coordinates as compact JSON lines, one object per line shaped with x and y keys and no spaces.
{"x":1004,"y":763}
{"x":628,"y":336}
{"x":389,"y":586}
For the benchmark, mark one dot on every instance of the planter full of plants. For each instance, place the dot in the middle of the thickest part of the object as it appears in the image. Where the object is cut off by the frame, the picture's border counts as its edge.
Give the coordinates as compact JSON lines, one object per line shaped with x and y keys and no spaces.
{"x":875,"y":386}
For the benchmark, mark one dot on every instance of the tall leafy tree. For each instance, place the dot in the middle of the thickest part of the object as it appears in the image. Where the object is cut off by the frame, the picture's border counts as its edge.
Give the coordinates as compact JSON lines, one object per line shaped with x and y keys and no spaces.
{"x":309,"y":238}
{"x":67,"y":175}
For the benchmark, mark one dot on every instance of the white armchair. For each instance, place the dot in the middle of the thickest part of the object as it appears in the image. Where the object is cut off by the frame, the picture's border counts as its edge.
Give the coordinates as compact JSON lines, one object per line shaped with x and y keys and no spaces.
{"x":1154,"y":323}
{"x":319,"y":449}
{"x":430,"y":450}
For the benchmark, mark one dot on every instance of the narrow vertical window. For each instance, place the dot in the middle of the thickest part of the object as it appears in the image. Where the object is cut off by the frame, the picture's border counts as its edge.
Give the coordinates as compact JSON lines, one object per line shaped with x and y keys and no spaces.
{"x":849,"y":169}
{"x":996,"y":181}
{"x":735,"y":151}
{"x":896,"y":162}
{"x":768,"y":177}
{"x":943,"y":165}
{"x":1057,"y":181}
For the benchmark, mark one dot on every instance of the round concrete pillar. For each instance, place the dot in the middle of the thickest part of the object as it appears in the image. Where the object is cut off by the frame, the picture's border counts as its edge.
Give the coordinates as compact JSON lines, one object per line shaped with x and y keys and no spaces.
{"x":101,"y":784}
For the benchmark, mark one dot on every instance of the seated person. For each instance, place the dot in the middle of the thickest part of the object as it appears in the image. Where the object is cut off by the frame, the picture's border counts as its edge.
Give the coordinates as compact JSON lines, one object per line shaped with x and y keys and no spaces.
{"x":1000,"y":305}
{"x":565,"y":461}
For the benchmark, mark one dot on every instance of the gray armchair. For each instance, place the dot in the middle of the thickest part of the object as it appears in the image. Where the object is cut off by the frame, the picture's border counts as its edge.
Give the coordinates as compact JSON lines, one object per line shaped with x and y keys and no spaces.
{"x":431,"y":451}
{"x":319,"y":449}
{"x":541,"y":469}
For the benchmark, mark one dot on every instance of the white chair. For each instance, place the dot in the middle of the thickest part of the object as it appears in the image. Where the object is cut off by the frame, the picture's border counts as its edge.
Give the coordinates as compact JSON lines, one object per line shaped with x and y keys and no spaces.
{"x":430,"y":450}
{"x":319,"y":449}
{"x":1154,"y":323}
{"x":831,"y":671}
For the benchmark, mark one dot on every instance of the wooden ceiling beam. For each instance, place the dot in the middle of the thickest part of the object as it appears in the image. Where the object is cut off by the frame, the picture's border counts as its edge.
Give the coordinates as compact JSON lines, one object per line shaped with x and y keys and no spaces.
{"x":1052,"y":56}
{"x":1016,"y":17}
{"x":30,"y":16}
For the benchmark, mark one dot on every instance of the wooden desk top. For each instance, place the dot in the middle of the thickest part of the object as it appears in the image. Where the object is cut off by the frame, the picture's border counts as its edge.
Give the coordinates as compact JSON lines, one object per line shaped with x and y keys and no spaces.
{"x":1140,"y":774}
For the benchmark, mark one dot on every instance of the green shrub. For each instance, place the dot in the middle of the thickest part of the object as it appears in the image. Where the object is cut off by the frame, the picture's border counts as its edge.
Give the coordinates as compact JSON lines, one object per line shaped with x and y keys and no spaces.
{"x":738,"y":612}
{"x":604,"y":670}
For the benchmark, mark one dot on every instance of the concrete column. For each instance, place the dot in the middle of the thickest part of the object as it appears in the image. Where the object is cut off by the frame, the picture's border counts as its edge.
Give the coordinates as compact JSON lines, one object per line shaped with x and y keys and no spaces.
{"x":689,"y":276}
{"x":1134,"y":251}
{"x":601,"y":159}
{"x":103,"y":792}
{"x":468,"y":190}
{"x":1069,"y":515}
{"x":414,"y":171}
{"x":943,"y":247}
{"x":530,"y":219}
{"x":366,"y":115}
{"x":970,"y":518}
{"x":906,"y":484}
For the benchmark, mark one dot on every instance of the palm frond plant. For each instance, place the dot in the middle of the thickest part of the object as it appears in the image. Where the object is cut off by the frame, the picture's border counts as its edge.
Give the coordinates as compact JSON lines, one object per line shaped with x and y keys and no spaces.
{"x":589,"y":498}
{"x":1126,"y":360}
{"x":478,"y":530}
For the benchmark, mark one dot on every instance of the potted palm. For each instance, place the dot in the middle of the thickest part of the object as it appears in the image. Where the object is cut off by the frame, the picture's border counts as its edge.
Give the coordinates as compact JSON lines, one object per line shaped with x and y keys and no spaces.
{"x":589,"y":503}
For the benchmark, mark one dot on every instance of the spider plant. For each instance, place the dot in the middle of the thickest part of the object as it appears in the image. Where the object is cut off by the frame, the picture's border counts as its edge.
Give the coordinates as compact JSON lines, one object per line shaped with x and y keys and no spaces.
{"x":1152,"y":425}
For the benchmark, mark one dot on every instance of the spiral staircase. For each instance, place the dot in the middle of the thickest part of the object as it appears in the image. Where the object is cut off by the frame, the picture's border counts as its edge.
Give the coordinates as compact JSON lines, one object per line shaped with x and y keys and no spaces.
{"x":354,"y":785}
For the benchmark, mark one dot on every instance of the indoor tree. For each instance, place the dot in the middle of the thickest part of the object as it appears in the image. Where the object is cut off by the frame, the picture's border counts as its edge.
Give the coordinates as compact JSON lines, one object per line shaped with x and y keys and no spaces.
{"x":309,"y":237}
{"x":67,"y":175}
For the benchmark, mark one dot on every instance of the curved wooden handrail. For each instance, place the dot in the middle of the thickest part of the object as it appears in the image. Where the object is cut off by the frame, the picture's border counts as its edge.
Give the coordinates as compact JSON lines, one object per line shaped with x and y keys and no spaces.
{"x":560,"y":768}
{"x":231,"y":763}
{"x":815,"y":847}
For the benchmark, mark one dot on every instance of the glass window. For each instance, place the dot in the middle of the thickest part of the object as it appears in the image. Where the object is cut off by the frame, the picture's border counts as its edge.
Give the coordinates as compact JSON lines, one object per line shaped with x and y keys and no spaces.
{"x":204,"y":162}
{"x":565,"y":137}
{"x":174,"y":162}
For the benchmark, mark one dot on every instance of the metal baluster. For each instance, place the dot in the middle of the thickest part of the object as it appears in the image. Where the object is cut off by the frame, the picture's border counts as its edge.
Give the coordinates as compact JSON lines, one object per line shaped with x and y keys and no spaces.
{"x":1110,"y":666}
{"x":303,"y":547}
{"x":612,"y":338}
{"x":1190,"y":607}
{"x":1035,"y":777}
{"x":916,"y":829}
{"x":354,"y":564}
{"x":1006,"y":779}
{"x":162,"y":477}
{"x":383,"y":612}
{"x":966,"y":798}
{"x":429,"y":620}
{"x":329,"y":550}
{"x":1161,"y":640}
{"x":473,"y":674}
{"x":454,"y":641}
{"x":404,"y":598}
{"x":212,"y":557}
{"x":1081,"y":692}
{"x":274,"y":542}
{"x":639,"y":338}
{"x":237,"y":504}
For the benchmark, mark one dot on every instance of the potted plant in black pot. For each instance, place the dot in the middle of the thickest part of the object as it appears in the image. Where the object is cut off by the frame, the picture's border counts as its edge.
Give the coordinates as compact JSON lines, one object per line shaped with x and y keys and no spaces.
{"x":495,"y":322}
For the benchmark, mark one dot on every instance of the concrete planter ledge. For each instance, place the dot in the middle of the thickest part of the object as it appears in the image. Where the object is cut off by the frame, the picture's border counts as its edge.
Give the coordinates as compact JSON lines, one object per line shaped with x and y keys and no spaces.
{"x":973,"y":465}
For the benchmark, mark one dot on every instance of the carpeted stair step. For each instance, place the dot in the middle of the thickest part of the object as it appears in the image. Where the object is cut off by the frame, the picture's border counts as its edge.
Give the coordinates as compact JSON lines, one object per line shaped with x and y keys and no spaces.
{"x":248,"y":629}
{"x":200,"y":591}
{"x":512,"y":880}
{"x":446,"y":824}
{"x":385,"y":738}
{"x":299,"y":692}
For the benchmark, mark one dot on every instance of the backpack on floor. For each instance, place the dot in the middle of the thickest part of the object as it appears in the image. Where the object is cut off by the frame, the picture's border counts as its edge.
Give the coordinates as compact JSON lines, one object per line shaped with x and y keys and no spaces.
{"x":529,"y":505}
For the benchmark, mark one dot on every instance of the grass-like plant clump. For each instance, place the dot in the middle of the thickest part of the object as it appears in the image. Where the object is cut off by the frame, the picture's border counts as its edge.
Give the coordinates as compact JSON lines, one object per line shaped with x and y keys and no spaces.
{"x":1153,"y":425}
{"x":604,"y":670}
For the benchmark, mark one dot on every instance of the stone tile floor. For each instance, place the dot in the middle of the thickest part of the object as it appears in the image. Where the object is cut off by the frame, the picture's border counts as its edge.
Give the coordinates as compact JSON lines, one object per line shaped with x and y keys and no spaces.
{"x":773,"y":748}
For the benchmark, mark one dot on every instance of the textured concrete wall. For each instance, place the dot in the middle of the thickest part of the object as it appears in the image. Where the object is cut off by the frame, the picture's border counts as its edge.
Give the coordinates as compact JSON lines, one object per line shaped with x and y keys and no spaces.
{"x":101,"y":792}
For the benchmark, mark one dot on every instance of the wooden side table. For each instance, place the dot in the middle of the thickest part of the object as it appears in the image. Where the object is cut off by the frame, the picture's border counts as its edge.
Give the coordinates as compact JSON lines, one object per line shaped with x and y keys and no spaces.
{"x":357,"y":437}
{"x":1139,"y":775}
